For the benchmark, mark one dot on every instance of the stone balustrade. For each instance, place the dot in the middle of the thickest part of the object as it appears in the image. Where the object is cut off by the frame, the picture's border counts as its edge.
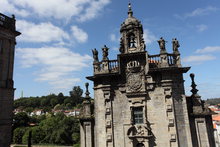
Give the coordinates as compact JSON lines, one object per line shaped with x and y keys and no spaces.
{"x":107,"y":66}
{"x":7,"y":22}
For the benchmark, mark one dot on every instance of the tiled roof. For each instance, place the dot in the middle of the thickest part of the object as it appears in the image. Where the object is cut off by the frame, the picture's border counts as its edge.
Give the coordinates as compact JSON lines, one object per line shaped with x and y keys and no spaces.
{"x":216,"y":117}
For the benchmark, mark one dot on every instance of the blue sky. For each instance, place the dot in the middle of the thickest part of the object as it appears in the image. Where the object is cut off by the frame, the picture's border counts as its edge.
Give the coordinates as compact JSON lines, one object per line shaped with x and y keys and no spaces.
{"x":53,"y":54}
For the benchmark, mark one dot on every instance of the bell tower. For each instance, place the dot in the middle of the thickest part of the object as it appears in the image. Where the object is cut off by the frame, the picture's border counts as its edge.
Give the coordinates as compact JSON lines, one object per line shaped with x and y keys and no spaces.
{"x":131,"y":34}
{"x":8,"y":34}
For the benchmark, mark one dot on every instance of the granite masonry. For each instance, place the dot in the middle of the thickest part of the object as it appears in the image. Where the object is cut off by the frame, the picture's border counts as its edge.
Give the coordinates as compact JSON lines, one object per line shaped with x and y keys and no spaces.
{"x":139,"y":99}
{"x":8,"y":34}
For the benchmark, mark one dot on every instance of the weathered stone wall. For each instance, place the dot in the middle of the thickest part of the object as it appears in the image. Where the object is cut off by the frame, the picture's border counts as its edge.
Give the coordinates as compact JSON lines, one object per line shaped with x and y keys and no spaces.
{"x":6,"y":107}
{"x":100,"y":109}
{"x":181,"y":112}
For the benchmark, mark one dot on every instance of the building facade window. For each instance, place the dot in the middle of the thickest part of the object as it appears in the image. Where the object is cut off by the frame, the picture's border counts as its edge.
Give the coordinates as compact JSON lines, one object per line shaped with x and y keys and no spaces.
{"x":138,"y":115}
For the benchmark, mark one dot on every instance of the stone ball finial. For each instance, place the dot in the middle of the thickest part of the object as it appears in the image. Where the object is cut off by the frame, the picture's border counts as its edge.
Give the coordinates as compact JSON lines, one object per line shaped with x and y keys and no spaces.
{"x":87,"y":85}
{"x":193,"y":85}
{"x":192,"y":75}
{"x":130,"y":12}
{"x":129,"y":6}
{"x":87,"y":90}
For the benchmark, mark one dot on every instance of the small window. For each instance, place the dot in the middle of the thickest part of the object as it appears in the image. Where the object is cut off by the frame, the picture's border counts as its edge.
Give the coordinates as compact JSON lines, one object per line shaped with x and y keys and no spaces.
{"x":138,"y":115}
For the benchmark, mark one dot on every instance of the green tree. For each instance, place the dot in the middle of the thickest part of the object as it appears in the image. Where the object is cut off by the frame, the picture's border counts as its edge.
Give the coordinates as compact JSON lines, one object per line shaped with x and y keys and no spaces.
{"x":18,"y":134}
{"x":25,"y":136}
{"x":29,"y":110}
{"x":21,"y":119}
{"x":57,"y":107}
{"x":60,"y":98}
{"x":76,"y":95}
{"x":53,"y":102}
{"x":38,"y":134}
{"x":44,"y":102}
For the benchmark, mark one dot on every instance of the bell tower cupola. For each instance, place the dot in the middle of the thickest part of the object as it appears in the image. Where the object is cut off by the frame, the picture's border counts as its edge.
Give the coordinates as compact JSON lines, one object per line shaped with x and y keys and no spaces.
{"x":131,"y":34}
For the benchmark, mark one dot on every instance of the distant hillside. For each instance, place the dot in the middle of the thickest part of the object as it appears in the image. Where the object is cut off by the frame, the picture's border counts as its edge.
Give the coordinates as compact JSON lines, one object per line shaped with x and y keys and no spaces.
{"x":213,"y":101}
{"x":51,"y":101}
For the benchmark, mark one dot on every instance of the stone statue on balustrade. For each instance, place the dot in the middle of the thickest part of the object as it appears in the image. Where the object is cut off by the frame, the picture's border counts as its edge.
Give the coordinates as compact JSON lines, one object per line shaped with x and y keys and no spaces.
{"x":162,"y":43}
{"x":175,"y":45}
{"x":105,"y":53}
{"x":95,"y":55}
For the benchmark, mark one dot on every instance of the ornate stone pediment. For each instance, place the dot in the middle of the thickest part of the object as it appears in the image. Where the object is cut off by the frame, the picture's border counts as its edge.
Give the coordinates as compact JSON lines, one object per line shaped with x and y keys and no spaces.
{"x":139,"y":132}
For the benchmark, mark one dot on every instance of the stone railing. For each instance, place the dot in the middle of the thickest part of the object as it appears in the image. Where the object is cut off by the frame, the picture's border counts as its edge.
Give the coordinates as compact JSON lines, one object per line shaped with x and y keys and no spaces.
{"x":154,"y":61}
{"x":108,"y":66}
{"x":170,"y":59}
{"x":164,"y":60}
{"x":7,"y":22}
{"x":113,"y":65}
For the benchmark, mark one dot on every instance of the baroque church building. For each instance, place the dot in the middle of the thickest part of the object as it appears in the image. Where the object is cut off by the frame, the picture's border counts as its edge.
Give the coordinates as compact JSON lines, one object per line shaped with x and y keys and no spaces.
{"x":139,"y":99}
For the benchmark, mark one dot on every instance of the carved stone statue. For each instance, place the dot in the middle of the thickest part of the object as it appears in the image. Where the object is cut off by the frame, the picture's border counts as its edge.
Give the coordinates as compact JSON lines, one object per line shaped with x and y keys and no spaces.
{"x":121,"y":49}
{"x":95,"y":55}
{"x":105,"y":52}
{"x":175,"y":45}
{"x":162,"y":43}
{"x":140,"y":131}
{"x":143,"y":46}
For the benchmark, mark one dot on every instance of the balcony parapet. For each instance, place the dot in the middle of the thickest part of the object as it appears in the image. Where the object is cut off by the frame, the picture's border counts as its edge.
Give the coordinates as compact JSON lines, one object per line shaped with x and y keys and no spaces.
{"x":164,"y":60}
{"x":7,"y":22}
{"x":106,"y":66}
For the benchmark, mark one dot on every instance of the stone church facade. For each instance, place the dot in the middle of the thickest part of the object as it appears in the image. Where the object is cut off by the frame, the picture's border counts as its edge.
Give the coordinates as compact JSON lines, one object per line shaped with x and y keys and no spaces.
{"x":8,"y":34}
{"x":139,"y":99}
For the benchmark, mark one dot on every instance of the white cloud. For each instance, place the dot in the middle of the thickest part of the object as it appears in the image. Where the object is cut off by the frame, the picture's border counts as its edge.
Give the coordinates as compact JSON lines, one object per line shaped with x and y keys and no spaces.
{"x":42,"y":32}
{"x":115,"y":48}
{"x":201,"y":11}
{"x":197,"y":12}
{"x":80,"y":35}
{"x":8,"y":7}
{"x":208,"y":49}
{"x":57,"y":65}
{"x":82,"y":10}
{"x":92,"y":11}
{"x":198,"y":58}
{"x":201,"y":27}
{"x":113,"y":37}
{"x":149,"y":37}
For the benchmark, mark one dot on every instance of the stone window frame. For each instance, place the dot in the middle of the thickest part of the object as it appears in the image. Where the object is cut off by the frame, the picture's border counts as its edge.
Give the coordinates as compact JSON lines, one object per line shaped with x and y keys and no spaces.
{"x":139,"y":118}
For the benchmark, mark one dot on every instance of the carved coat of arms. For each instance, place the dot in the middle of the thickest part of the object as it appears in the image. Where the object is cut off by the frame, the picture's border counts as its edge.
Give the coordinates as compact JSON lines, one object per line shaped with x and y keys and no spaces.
{"x":134,"y":82}
{"x":134,"y":76}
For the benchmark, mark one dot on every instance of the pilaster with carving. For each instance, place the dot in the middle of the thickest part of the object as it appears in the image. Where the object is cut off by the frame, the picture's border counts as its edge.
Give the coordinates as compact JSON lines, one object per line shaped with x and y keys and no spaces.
{"x":108,"y":116}
{"x":171,"y":126}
